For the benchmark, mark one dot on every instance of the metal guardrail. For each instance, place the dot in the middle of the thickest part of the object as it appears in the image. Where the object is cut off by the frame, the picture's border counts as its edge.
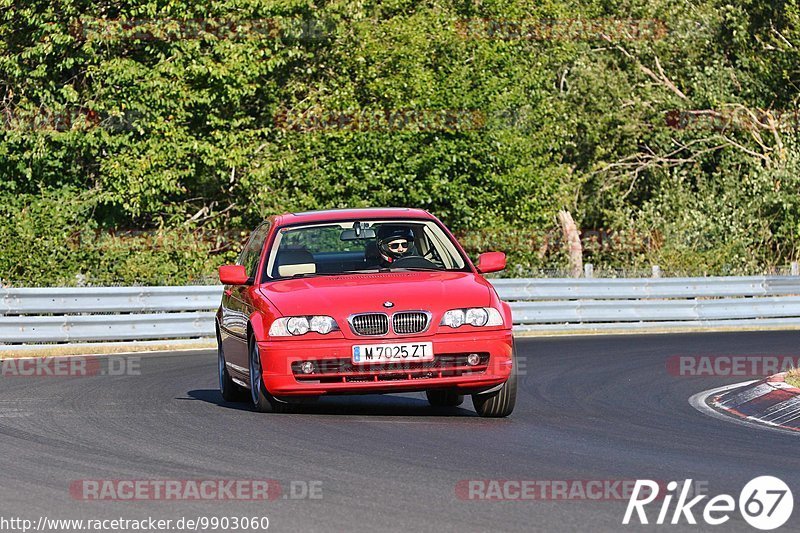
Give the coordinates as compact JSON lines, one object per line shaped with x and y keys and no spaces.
{"x":636,"y":288}
{"x":108,"y":300}
{"x":47,"y":315}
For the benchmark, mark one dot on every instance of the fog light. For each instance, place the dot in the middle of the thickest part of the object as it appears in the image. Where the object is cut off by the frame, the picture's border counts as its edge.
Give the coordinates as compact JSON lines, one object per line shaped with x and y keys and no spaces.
{"x":473,"y":359}
{"x":307,"y":367}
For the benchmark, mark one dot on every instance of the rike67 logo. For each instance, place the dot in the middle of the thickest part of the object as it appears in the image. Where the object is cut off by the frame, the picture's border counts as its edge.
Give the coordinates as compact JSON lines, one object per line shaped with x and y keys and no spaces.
{"x":765,"y":503}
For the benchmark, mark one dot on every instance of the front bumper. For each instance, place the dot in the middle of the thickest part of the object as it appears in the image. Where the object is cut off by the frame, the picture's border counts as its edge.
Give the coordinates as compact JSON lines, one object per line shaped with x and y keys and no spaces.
{"x":339,"y":377}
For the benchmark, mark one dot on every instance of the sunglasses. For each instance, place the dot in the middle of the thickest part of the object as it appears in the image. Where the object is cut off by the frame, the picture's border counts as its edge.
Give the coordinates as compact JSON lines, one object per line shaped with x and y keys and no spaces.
{"x":398,"y":245}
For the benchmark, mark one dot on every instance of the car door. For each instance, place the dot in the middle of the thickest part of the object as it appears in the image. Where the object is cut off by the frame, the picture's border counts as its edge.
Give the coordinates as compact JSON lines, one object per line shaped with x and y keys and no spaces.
{"x":239,"y":305}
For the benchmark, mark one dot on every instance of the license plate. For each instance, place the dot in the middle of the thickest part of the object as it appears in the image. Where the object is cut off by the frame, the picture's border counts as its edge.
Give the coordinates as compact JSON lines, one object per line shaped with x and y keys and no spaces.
{"x":392,"y":353}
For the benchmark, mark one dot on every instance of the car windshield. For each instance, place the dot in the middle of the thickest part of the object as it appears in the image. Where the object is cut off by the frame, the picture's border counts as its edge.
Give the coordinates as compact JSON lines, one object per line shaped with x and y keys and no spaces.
{"x":362,"y":246}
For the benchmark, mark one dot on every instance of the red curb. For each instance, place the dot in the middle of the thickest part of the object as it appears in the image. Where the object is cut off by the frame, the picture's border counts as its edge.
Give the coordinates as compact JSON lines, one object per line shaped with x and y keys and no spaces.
{"x":781,"y":378}
{"x":757,"y":408}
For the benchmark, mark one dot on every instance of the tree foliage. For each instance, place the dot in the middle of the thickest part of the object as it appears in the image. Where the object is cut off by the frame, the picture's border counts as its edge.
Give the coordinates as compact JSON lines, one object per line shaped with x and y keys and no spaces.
{"x":194,"y":121}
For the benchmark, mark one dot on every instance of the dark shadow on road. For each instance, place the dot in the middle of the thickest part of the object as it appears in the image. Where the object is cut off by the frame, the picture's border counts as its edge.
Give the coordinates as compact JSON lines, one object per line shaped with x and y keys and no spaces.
{"x":355,"y":405}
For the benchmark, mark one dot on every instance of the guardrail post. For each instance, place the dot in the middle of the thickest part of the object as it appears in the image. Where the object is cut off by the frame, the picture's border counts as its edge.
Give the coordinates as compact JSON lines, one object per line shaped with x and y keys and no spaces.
{"x":656,"y":271}
{"x":795,"y":268}
{"x":588,"y":270}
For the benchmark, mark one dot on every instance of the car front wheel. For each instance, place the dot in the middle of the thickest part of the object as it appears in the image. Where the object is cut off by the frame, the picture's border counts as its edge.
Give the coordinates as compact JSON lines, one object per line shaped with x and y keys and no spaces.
{"x":263,"y":401}
{"x":500,"y":403}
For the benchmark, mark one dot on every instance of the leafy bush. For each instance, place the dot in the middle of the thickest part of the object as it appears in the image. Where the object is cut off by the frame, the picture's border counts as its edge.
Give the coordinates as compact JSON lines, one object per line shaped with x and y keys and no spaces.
{"x":193,"y":122}
{"x":53,"y":239}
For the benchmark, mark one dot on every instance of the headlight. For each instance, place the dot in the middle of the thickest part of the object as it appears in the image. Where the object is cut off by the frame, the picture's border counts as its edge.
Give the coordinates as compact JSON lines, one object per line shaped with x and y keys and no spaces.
{"x":297,"y":325}
{"x":300,"y":325}
{"x":322,"y":324}
{"x":474,"y":316}
{"x":454,"y":318}
{"x":477,"y":316}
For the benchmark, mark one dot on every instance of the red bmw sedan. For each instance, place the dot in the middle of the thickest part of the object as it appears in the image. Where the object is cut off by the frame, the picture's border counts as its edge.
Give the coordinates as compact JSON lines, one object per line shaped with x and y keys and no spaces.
{"x":363,"y":301}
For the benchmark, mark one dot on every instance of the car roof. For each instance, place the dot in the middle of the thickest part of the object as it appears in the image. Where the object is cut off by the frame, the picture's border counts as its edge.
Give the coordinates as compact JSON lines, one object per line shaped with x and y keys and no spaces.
{"x":330,"y":215}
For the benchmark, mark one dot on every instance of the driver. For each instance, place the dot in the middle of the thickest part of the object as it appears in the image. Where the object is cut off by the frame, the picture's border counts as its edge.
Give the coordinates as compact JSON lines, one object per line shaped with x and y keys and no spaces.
{"x":393,"y":243}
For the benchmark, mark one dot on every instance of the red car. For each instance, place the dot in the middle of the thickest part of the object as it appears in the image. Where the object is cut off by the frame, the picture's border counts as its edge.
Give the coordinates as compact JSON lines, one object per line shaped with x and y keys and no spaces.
{"x":363,"y":301}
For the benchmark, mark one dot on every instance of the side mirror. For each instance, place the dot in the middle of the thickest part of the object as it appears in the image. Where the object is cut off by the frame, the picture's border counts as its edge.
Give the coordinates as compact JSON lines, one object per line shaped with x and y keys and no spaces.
{"x":233,"y":275}
{"x":491,"y":262}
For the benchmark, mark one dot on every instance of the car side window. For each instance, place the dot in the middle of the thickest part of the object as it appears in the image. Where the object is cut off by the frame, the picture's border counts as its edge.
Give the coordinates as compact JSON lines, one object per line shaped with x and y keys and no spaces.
{"x":252,"y":250}
{"x":433,"y":251}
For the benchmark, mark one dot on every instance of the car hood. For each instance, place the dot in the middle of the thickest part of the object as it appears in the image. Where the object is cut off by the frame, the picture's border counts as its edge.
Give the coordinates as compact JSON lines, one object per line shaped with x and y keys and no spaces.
{"x":344,"y":295}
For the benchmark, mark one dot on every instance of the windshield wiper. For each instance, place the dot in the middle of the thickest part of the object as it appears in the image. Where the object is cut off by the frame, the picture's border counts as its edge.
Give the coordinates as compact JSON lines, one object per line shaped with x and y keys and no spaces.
{"x":314,"y":274}
{"x":422,"y":269}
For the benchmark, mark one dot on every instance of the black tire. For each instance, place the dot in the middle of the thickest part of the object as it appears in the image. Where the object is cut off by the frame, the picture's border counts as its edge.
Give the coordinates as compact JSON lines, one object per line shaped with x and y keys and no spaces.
{"x":444,"y":398}
{"x":500,"y":403}
{"x":263,"y":401}
{"x":230,"y":391}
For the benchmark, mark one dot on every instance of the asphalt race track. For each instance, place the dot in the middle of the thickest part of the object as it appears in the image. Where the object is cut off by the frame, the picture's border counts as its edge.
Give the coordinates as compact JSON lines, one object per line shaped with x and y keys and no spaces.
{"x":589,"y":408}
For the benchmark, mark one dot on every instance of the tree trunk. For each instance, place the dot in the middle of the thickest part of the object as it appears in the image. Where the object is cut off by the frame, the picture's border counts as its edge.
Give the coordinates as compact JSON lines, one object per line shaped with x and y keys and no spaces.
{"x":572,"y":238}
